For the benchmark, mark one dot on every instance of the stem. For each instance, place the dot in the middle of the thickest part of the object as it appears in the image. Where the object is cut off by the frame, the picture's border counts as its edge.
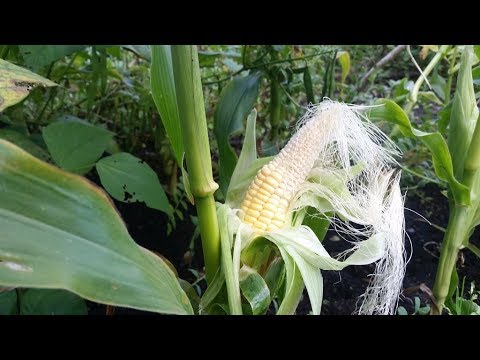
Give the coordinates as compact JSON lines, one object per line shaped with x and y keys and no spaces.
{"x":275,"y":107}
{"x":193,"y":123}
{"x":385,"y":60}
{"x":473,"y":249}
{"x":414,"y":94}
{"x":245,"y":68}
{"x":457,"y":232}
{"x":432,"y":180}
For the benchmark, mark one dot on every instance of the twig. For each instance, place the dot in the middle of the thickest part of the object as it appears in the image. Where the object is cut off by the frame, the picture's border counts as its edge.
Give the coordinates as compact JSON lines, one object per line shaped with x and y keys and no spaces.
{"x":245,"y":68}
{"x":386,"y":59}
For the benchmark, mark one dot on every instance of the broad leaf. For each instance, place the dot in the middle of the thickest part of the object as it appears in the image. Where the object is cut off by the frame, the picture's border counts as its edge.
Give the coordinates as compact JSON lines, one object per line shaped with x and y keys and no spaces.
{"x":442,"y":161}
{"x":164,"y":94}
{"x":129,"y":179}
{"x":60,"y":231}
{"x":38,"y":56}
{"x":76,"y":145}
{"x":235,"y":103}
{"x":16,"y":83}
{"x":51,"y":302}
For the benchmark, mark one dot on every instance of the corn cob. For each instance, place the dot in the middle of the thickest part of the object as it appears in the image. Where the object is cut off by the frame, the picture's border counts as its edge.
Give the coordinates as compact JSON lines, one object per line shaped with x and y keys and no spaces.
{"x":268,"y":197}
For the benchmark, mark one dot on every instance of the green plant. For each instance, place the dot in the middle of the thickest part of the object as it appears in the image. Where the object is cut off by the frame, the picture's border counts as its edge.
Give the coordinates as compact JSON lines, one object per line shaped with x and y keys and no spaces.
{"x":72,"y":237}
{"x":461,"y":305}
{"x":418,"y":309}
{"x":456,"y":161}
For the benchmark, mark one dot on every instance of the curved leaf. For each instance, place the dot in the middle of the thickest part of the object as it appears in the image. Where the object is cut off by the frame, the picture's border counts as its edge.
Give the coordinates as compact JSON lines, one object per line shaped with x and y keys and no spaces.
{"x":442,"y":161}
{"x":129,"y":179}
{"x":16,"y":83}
{"x":60,"y":231}
{"x":343,"y":58}
{"x":235,"y":103}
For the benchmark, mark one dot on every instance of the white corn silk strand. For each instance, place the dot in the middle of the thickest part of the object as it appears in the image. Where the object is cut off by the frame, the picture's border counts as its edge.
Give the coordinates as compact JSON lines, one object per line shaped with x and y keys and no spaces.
{"x":331,"y":139}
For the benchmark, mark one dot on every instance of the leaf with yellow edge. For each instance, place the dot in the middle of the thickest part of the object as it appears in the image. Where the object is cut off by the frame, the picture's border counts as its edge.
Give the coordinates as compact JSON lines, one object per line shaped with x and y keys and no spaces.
{"x":16,"y":83}
{"x":60,"y":231}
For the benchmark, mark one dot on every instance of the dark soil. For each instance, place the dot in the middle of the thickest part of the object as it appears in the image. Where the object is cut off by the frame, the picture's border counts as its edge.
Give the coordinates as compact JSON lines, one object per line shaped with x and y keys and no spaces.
{"x":341,"y":288}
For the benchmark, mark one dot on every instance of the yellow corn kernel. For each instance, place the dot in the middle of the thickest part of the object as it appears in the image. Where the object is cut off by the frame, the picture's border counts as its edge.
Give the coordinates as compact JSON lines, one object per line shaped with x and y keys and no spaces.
{"x":275,"y":175}
{"x":268,"y":214}
{"x":269,"y":188}
{"x":264,"y":220}
{"x":272,"y":182}
{"x":270,"y":206}
{"x":249,"y":219}
{"x":264,"y":191}
{"x":253,"y":213}
{"x":260,"y":199}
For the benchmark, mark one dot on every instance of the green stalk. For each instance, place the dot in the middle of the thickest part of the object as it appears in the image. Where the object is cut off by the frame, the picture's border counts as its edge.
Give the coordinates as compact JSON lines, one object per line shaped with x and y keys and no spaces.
{"x":193,"y":122}
{"x":459,"y":226}
{"x":414,"y":95}
{"x":456,"y":235}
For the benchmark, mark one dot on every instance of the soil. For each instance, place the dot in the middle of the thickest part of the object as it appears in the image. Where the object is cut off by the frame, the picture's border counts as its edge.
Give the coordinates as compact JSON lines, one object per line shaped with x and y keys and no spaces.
{"x":341,"y":288}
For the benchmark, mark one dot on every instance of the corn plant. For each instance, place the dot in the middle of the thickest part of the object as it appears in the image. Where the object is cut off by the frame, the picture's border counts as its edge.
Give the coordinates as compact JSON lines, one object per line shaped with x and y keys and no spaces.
{"x":263,"y":244}
{"x":335,"y":168}
{"x":456,"y":161}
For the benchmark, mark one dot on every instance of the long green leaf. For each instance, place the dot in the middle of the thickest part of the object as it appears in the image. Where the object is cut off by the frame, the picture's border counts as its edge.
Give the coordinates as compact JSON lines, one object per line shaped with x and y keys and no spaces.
{"x":129,"y":179}
{"x":442,"y":161}
{"x":60,"y":231}
{"x":235,"y":103}
{"x":165,"y":97}
{"x":16,"y":83}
